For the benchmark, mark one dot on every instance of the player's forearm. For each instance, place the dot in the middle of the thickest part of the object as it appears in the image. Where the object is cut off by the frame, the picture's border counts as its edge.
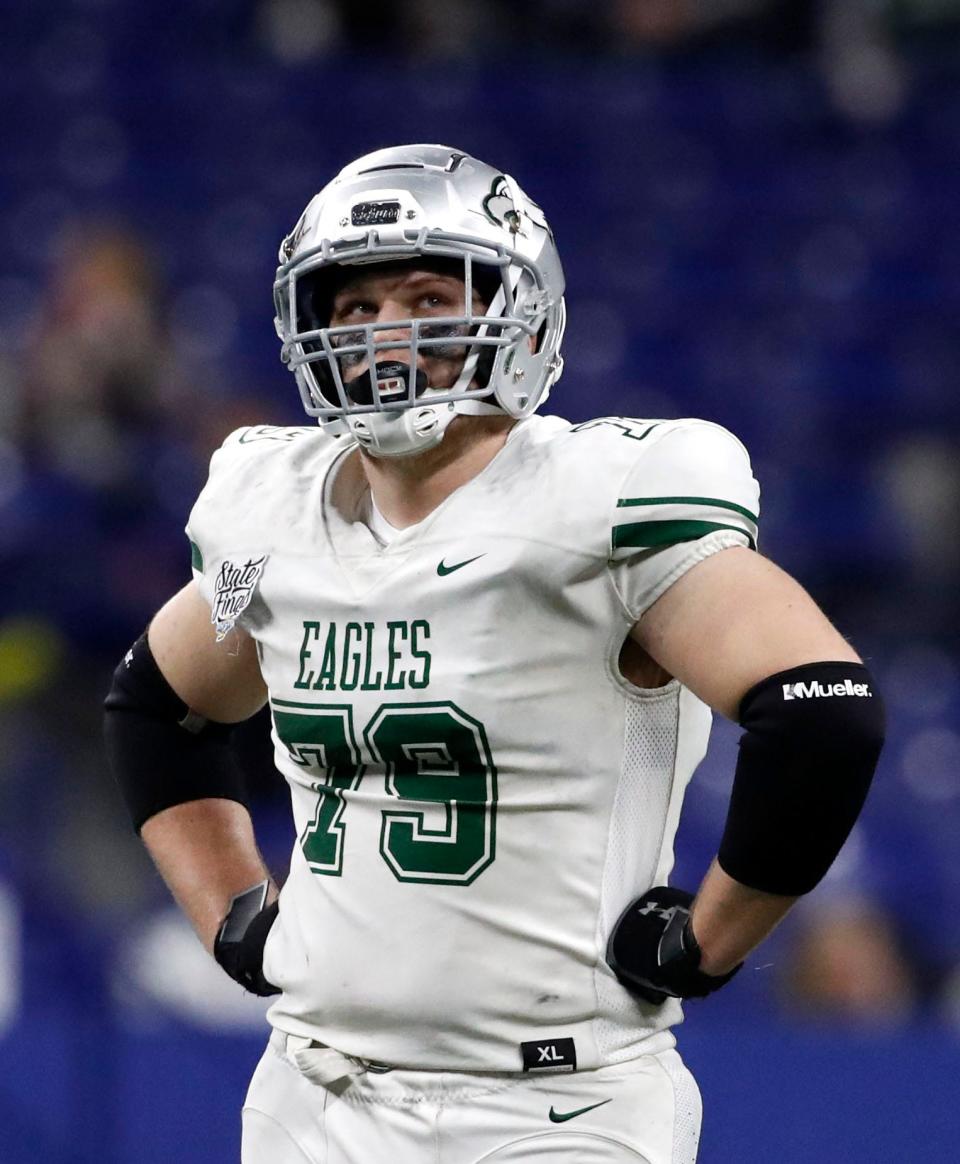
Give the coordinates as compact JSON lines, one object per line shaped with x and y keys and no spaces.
{"x":812,"y":736}
{"x":206,"y":852}
{"x":729,"y":919}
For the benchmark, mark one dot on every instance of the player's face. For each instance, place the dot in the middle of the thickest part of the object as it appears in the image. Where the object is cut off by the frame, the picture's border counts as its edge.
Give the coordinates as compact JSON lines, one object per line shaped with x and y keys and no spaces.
{"x":393,"y":296}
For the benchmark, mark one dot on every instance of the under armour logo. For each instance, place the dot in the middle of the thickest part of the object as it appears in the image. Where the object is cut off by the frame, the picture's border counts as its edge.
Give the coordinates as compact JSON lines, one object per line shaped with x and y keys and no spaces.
{"x":666,"y":913}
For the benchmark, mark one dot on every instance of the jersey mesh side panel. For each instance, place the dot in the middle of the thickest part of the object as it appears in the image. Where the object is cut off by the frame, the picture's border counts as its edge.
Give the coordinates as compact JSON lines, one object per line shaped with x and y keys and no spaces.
{"x":687,"y":1108}
{"x":633,"y":853}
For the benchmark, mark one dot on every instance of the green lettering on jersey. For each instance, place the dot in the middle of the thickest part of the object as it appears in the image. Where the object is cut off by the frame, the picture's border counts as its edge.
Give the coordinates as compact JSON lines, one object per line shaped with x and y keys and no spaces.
{"x":370,"y":682}
{"x":311,"y":630}
{"x":417,"y":627}
{"x":322,"y":740}
{"x":395,"y":680}
{"x":437,"y":764}
{"x":437,"y":756}
{"x":351,"y":657}
{"x":326,"y":680}
{"x":347,"y":659}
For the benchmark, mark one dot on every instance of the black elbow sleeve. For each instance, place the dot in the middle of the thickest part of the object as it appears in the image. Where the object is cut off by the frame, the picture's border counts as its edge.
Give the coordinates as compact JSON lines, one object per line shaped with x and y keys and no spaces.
{"x":812,"y":739}
{"x":161,"y":754}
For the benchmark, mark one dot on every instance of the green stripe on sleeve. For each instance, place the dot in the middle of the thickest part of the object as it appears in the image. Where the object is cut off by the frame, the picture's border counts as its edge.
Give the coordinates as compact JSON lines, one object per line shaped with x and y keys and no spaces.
{"x":196,"y":558}
{"x":714,"y":501}
{"x":647,"y":534}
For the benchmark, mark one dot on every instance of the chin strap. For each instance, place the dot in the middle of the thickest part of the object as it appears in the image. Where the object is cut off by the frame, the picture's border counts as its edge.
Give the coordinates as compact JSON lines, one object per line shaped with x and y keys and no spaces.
{"x":400,"y":434}
{"x":480,"y":407}
{"x":414,"y":430}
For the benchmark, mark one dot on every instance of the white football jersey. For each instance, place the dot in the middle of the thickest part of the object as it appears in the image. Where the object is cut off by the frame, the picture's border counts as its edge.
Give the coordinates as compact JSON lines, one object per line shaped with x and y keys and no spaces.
{"x":477,"y":791}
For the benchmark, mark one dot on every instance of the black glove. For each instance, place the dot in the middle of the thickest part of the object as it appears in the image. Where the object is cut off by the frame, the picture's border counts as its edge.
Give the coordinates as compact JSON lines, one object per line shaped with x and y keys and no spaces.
{"x":243,"y":933}
{"x":653,"y":952}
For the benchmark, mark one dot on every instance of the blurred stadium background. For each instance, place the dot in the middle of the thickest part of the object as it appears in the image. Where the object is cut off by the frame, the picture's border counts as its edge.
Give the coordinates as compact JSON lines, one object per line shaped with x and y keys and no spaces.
{"x":758,"y":204}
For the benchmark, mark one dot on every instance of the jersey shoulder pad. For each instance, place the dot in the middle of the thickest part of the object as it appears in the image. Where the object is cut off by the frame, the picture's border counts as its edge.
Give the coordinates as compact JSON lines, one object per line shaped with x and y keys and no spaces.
{"x":638,"y":484}
{"x":252,"y":477}
{"x":689,"y":478}
{"x":574,"y":473}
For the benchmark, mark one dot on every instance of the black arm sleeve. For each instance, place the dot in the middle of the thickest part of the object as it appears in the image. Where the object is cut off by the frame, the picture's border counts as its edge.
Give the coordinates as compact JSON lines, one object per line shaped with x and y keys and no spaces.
{"x":161,"y":753}
{"x":807,"y":757}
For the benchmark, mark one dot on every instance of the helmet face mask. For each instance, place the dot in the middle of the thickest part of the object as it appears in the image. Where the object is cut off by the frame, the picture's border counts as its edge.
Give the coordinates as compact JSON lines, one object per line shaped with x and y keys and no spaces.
{"x":434,"y":209}
{"x":334,"y":354}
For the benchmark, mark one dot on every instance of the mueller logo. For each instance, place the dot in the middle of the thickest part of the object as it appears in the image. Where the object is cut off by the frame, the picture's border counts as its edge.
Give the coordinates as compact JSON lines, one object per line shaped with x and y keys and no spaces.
{"x":818,"y":690}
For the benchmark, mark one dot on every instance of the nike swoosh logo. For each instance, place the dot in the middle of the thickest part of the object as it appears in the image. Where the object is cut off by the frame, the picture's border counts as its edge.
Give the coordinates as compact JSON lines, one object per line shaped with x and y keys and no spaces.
{"x":560,"y":1117}
{"x":443,"y":570}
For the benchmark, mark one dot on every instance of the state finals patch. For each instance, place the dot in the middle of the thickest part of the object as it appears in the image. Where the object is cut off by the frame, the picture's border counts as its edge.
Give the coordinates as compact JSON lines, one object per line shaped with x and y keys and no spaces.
{"x":233,"y":590}
{"x":549,"y":1055}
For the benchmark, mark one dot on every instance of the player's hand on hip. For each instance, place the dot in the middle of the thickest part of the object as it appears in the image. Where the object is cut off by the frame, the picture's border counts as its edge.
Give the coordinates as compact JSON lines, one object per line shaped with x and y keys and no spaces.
{"x":242,"y":936}
{"x":653,"y":952}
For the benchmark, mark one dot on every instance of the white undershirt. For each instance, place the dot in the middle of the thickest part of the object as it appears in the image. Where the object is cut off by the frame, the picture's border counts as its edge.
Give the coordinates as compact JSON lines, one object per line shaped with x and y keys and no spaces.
{"x":381,"y":529}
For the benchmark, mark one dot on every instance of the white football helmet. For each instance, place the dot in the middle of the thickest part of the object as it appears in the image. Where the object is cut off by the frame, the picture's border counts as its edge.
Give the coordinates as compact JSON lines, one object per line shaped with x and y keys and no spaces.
{"x":441,"y":206}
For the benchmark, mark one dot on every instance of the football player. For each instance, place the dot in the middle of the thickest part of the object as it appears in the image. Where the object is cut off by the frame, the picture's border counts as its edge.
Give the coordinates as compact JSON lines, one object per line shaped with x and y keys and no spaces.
{"x":491,"y":642}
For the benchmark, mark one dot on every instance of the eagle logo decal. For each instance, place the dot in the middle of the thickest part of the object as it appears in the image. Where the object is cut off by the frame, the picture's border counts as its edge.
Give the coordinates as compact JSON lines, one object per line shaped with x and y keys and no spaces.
{"x":292,"y":241}
{"x":499,"y":206}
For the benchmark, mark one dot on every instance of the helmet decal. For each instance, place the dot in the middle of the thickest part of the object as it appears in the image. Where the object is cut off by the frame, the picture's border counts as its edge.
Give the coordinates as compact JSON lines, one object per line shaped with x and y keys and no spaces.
{"x":500,"y":207}
{"x":292,"y":241}
{"x":375,"y":213}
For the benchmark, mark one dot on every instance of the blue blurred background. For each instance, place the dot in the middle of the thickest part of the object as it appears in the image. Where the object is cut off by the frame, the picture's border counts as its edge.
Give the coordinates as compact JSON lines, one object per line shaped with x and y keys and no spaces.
{"x":758,"y":204}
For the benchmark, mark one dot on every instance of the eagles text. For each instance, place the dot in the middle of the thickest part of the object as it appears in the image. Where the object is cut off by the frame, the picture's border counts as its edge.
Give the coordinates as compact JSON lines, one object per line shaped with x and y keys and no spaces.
{"x":364,"y":655}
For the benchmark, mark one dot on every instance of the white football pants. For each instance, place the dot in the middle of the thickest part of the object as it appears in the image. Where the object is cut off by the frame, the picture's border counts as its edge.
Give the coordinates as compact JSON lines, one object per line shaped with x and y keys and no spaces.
{"x":311,"y":1105}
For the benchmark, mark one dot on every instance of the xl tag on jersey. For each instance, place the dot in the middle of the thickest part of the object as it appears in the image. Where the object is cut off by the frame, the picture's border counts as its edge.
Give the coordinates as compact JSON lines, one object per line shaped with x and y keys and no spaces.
{"x":235,"y":586}
{"x":549,"y":1055}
